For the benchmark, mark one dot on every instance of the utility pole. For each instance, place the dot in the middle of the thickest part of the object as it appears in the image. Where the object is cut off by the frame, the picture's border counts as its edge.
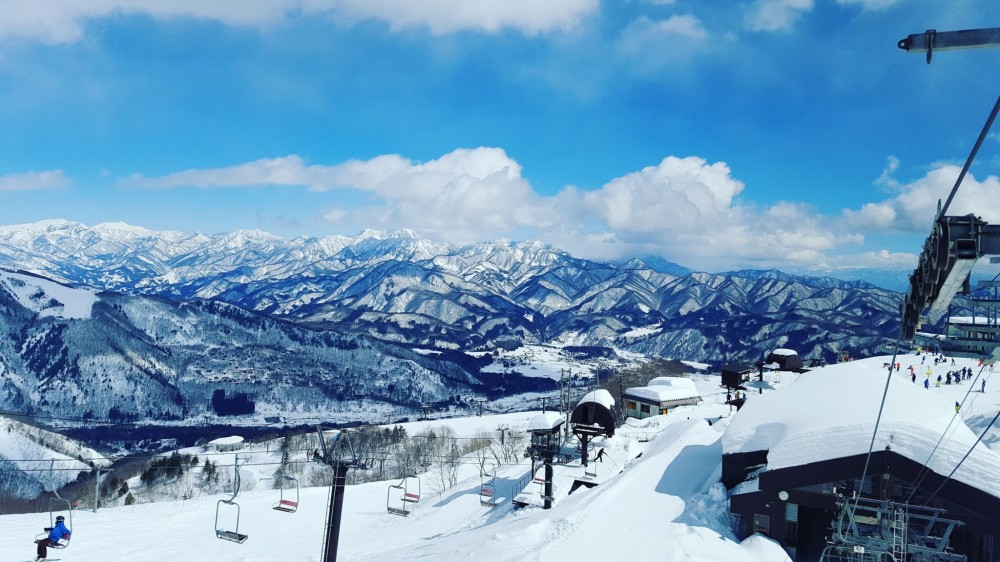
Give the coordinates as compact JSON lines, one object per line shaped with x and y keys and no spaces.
{"x":544,"y":398}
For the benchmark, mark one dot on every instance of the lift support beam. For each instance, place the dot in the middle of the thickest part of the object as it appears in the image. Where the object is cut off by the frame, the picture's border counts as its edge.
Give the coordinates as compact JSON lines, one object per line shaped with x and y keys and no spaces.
{"x":933,"y":40}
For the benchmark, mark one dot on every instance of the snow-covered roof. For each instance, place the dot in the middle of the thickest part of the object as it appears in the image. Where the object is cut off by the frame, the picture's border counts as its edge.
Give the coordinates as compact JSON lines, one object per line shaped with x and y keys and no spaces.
{"x":231,"y":440}
{"x":675,"y":382}
{"x":663,"y":392}
{"x":782,"y":351}
{"x":544,"y":422}
{"x":601,"y":396}
{"x":830,"y":413}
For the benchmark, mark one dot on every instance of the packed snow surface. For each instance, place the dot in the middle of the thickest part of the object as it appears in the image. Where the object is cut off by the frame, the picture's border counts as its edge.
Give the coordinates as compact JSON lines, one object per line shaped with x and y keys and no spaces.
{"x":48,"y":298}
{"x":830,"y":413}
{"x":666,"y":504}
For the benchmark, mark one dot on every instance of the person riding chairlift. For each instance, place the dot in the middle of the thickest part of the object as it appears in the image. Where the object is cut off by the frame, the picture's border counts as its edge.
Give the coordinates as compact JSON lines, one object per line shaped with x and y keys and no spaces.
{"x":56,"y":534}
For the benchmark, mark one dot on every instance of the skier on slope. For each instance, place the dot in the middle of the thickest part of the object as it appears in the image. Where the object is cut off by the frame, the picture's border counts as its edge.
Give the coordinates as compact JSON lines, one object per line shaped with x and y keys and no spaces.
{"x":56,"y":534}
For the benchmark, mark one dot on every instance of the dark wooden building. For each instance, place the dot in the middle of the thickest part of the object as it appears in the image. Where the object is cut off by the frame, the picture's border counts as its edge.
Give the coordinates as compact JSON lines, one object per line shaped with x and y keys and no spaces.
{"x":796,"y":505}
{"x":785,"y":359}
{"x":734,"y":375}
{"x":791,"y":457}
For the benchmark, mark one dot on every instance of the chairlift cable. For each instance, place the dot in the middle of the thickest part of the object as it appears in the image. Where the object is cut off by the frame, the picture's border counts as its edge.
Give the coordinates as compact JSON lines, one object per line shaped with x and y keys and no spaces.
{"x":925,"y":469}
{"x":969,"y":452}
{"x":878,"y":419}
{"x":972,"y":156}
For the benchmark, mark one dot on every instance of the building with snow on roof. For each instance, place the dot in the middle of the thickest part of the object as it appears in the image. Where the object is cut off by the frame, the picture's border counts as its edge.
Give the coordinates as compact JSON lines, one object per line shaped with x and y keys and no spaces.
{"x":976,"y":335}
{"x":794,"y":461}
{"x":225,"y":444}
{"x":661,"y":394}
{"x":784,"y":360}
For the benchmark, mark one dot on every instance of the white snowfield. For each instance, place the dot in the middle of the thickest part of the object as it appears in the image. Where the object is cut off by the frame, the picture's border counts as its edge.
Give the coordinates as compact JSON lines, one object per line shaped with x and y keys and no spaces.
{"x":666,"y":504}
{"x":48,"y":298}
{"x":830,"y":413}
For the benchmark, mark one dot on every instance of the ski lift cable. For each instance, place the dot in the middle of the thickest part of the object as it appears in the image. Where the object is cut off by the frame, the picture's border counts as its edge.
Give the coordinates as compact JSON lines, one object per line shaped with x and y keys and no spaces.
{"x":947,"y":433}
{"x":969,"y":452}
{"x":878,"y":419}
{"x":972,"y":155}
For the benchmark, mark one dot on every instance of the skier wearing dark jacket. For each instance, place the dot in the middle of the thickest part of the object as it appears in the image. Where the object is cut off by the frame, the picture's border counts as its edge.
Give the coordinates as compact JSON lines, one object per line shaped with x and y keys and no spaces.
{"x":56,"y":534}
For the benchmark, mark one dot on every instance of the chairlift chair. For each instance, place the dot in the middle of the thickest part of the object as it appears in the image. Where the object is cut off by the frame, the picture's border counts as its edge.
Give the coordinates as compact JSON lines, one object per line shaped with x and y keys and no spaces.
{"x":56,"y":504}
{"x":394,"y":503}
{"x":487,"y":489}
{"x":63,"y":543}
{"x":284,"y":504}
{"x":411,"y":493}
{"x":220,"y":532}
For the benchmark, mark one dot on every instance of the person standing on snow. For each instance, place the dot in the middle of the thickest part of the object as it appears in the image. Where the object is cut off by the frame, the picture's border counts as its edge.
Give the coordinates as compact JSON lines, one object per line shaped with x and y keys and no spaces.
{"x":927,"y":383}
{"x":56,"y":534}
{"x":983,"y":388}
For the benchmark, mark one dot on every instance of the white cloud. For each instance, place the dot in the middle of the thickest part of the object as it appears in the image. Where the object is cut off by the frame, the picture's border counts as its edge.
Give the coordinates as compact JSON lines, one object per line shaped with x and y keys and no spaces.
{"x":776,"y":15}
{"x":684,"y":208}
{"x":466,"y":194}
{"x":886,"y":179}
{"x":689,"y":210}
{"x":872,"y":216}
{"x":33,"y":181}
{"x":64,"y":21}
{"x":870,"y":4}
{"x":915,"y":206}
{"x":647,"y":47}
{"x":447,"y":16}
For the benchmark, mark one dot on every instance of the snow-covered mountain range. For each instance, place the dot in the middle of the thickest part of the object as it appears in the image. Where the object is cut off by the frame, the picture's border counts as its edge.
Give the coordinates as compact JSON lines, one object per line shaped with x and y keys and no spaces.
{"x":77,"y":354}
{"x":396,"y":286}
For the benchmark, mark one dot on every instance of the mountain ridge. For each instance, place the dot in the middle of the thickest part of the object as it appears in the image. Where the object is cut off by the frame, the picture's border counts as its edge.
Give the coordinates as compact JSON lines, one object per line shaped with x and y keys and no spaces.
{"x":398,"y":287}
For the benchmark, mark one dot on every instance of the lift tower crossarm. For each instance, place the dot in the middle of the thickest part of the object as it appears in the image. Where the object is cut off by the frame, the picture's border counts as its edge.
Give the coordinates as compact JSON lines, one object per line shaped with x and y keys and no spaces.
{"x":933,"y":40}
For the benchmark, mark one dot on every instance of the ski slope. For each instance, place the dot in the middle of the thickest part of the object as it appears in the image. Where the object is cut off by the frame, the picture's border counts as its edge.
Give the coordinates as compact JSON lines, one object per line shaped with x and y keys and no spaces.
{"x":663,"y":504}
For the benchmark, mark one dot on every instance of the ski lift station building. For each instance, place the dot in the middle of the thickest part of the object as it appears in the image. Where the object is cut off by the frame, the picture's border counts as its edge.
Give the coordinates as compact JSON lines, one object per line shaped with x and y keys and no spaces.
{"x":794,"y":458}
{"x":784,"y":360}
{"x":661,"y":394}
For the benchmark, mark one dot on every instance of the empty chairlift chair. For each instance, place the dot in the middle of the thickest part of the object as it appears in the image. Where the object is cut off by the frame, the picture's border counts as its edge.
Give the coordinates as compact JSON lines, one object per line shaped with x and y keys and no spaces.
{"x":399,"y":496}
{"x":287,"y":504}
{"x":487,"y":489}
{"x":222,"y":532}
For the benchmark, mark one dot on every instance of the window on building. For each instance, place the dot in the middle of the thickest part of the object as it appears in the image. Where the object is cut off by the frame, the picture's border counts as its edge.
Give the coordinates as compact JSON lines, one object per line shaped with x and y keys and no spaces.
{"x":644,"y":408}
{"x":761,"y":523}
{"x":631,"y":405}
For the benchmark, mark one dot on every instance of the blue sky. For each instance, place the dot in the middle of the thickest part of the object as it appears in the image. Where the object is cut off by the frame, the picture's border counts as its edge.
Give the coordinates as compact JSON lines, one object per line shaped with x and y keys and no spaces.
{"x":717,"y":134}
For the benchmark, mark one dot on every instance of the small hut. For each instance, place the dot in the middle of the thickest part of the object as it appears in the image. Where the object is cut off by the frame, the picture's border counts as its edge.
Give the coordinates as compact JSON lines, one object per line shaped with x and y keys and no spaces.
{"x":785,"y":360}
{"x":597,"y":414}
{"x":659,"y":396}
{"x":734,"y":375}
